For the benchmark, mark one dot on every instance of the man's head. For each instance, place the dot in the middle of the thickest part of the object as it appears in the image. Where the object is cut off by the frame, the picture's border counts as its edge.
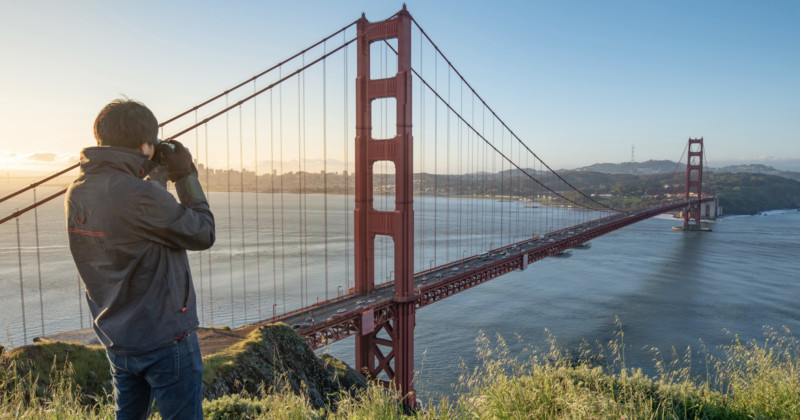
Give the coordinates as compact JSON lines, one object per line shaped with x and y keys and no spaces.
{"x":126,"y":123}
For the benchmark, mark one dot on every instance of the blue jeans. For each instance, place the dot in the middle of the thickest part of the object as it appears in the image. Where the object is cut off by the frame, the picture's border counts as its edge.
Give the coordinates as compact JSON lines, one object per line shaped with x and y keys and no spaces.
{"x":173,"y":375}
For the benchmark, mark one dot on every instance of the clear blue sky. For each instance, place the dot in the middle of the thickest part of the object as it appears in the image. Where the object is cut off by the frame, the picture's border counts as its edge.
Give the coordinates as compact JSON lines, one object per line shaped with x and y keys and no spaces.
{"x":580,"y":81}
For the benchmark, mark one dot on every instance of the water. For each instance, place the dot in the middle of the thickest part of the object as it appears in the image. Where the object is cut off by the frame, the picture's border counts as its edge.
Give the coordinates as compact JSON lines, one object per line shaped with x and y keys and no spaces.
{"x":668,"y":288}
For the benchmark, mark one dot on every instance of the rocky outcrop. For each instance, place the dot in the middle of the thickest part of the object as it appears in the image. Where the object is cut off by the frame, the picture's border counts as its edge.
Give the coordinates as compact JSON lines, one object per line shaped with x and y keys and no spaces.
{"x":274,"y":357}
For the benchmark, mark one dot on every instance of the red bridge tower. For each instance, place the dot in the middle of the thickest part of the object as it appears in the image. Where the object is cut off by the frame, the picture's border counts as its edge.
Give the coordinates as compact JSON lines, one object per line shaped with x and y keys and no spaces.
{"x":393,"y":356}
{"x":694,"y":184}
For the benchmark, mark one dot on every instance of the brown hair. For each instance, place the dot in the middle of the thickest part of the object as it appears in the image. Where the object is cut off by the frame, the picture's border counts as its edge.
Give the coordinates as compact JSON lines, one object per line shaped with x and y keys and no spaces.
{"x":126,"y":123}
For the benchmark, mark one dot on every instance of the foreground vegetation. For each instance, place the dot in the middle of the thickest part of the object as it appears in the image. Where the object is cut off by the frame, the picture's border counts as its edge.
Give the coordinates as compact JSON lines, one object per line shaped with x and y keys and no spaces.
{"x":755,"y":379}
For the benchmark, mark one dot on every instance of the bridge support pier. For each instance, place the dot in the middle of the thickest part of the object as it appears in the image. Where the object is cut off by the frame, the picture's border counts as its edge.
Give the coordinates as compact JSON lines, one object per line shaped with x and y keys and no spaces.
{"x":694,"y":185}
{"x":377,"y":354}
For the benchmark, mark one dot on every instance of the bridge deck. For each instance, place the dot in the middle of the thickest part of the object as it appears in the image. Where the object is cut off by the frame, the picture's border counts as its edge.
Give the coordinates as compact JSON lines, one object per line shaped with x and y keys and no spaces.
{"x":336,"y":319}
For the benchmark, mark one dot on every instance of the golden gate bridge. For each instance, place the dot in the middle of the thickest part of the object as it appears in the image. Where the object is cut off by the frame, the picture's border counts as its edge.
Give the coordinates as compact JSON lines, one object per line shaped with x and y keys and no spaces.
{"x":325,"y":234}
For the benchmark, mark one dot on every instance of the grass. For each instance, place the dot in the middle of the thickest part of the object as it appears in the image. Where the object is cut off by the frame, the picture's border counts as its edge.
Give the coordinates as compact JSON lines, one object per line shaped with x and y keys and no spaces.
{"x":749,"y":380}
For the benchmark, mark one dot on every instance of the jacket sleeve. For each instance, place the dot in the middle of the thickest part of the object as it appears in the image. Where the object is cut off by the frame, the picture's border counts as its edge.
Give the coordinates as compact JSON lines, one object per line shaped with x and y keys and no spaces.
{"x":188,"y":224}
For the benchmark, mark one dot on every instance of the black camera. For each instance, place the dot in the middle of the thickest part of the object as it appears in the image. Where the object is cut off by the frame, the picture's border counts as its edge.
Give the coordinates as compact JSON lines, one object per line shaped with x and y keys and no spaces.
{"x":162,"y":150}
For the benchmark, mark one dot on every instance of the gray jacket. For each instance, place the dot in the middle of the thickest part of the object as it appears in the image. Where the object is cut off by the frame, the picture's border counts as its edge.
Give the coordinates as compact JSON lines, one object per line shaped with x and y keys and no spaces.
{"x":129,"y":237}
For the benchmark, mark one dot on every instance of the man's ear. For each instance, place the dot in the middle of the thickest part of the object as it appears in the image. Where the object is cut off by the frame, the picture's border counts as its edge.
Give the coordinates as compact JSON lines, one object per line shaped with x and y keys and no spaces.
{"x":147,"y":148}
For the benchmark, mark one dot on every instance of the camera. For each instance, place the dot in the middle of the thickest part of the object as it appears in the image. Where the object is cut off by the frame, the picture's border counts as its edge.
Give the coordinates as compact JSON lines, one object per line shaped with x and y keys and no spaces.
{"x":162,"y":150}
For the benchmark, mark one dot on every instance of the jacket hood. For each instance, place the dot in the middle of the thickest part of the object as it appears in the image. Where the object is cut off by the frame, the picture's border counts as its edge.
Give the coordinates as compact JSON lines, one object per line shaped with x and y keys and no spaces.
{"x":100,"y":158}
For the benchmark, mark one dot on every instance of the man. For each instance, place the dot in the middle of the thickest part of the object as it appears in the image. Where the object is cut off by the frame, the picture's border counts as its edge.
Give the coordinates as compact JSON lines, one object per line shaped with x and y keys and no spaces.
{"x":128,"y":236}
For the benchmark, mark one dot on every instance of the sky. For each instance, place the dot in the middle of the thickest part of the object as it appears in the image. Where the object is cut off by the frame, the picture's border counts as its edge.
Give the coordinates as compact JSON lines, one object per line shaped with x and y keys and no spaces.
{"x":579,"y":81}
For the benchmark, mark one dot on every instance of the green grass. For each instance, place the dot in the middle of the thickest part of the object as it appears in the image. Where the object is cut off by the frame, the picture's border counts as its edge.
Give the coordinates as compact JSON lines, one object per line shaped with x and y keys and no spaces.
{"x":749,"y":380}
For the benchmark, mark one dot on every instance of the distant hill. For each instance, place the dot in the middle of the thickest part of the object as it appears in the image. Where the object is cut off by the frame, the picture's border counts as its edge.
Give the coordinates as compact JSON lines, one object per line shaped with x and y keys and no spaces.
{"x":750,"y":193}
{"x":739,"y":193}
{"x":632,"y":168}
{"x":758,"y":169}
{"x":651,"y":167}
{"x":781,"y":164}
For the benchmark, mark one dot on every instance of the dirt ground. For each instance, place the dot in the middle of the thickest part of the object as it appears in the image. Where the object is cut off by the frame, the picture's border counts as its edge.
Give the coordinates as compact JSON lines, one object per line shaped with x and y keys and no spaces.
{"x":211,"y":340}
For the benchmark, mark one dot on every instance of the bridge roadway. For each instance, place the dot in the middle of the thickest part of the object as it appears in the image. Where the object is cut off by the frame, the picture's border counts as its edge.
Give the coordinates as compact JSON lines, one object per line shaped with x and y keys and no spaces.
{"x":333,"y":320}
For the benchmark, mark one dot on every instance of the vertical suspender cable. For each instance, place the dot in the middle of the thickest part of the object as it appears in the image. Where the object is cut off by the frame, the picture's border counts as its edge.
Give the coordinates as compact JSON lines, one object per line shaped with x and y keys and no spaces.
{"x":481,"y":237}
{"x":502,"y":187}
{"x":21,"y":288}
{"x":346,"y":176}
{"x":460,"y":172}
{"x":448,"y":174}
{"x":199,"y":253}
{"x":228,"y":195}
{"x":473,"y":223}
{"x":210,"y":277}
{"x":241,"y":203}
{"x":305,"y":188}
{"x":257,"y":193}
{"x":325,"y":160}
{"x":548,"y":209}
{"x":494,"y":178}
{"x":280,"y":160}
{"x":518,"y":191}
{"x":538,"y":190}
{"x":549,"y":213}
{"x":551,"y":210}
{"x":484,"y":167}
{"x":435,"y":159}
{"x":510,"y":186}
{"x":300,"y":189}
{"x":38,"y":259}
{"x":272,"y":205}
{"x":528,"y":214}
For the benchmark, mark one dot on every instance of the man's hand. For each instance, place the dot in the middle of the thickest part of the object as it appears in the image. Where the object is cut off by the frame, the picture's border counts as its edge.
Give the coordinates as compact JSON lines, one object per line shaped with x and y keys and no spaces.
{"x":176,"y":158}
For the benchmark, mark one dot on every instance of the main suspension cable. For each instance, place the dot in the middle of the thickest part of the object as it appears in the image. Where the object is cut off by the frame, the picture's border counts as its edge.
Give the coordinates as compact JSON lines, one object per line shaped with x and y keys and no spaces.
{"x":253,"y":79}
{"x":503,"y":155}
{"x":501,"y":121}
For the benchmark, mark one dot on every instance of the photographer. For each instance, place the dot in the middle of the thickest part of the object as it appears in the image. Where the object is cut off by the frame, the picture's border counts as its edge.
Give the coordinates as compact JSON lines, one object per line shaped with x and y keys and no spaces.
{"x":129,"y":237}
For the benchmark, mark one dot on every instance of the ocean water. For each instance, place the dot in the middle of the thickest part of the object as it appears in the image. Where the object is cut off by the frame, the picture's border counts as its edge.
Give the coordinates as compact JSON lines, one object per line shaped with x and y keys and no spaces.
{"x":668,"y":288}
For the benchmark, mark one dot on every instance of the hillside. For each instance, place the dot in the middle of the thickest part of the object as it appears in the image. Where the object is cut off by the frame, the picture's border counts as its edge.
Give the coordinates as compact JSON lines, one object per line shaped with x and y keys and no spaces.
{"x":758,"y":169}
{"x":665,"y":166}
{"x":632,"y":168}
{"x":739,"y":193}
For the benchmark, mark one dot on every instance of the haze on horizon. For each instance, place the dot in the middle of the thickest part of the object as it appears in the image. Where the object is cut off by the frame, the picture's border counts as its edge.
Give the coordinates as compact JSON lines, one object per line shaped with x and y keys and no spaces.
{"x":580,"y":82}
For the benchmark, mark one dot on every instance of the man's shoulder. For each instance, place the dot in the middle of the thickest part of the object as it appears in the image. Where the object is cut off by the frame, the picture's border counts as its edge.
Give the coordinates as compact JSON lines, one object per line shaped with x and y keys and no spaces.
{"x":118,"y":187}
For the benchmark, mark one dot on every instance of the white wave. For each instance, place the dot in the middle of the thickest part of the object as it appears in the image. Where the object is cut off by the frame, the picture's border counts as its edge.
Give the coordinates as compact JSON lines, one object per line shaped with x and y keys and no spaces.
{"x":777,"y":212}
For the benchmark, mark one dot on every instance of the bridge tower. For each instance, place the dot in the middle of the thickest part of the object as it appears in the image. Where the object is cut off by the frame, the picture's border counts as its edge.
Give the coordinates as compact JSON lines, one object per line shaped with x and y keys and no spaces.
{"x":375,"y":355}
{"x":694,"y":184}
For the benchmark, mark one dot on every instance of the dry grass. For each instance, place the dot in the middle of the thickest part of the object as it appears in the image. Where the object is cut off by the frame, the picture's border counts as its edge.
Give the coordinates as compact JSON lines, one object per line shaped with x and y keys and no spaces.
{"x":755,"y":379}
